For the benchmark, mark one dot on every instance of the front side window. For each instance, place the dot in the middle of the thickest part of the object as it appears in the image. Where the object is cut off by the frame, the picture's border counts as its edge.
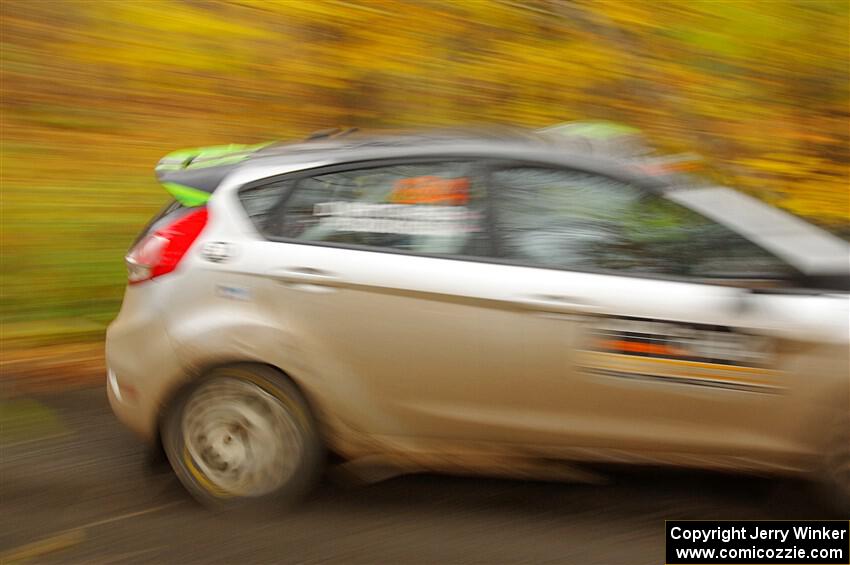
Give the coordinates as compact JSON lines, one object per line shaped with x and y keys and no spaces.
{"x":429,"y":208}
{"x":575,"y":220}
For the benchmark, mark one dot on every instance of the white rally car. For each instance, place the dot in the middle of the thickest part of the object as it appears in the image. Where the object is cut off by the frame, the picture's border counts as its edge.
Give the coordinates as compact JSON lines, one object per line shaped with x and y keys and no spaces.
{"x":495,"y":303}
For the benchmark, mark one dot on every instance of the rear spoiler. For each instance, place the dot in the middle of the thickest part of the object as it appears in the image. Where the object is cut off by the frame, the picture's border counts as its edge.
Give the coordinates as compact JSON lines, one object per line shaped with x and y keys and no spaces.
{"x":192,"y":175}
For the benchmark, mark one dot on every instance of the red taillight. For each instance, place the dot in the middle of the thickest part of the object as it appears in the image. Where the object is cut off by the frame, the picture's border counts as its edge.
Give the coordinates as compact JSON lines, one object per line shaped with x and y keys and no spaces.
{"x":160,"y":252}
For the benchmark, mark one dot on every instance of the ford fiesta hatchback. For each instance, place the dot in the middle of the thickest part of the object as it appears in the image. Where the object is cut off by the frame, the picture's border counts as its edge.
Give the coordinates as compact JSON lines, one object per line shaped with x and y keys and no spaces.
{"x":469,"y":302}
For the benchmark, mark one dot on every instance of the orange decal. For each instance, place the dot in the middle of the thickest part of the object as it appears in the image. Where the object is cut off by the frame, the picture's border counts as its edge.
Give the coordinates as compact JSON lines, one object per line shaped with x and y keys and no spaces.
{"x":431,"y":190}
{"x":643,"y":347}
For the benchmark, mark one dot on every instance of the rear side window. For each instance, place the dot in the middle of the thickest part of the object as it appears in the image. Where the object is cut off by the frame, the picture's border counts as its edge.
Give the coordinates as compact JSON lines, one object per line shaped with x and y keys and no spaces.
{"x":261,"y":202}
{"x":428,"y":208}
{"x":574,"y":220}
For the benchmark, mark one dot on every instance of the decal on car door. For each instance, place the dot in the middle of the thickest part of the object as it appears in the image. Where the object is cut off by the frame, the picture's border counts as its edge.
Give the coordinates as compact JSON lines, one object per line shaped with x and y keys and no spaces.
{"x":681,"y":353}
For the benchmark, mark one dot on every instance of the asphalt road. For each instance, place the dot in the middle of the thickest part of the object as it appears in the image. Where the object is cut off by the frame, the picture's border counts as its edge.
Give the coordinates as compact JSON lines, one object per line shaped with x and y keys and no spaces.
{"x":89,"y":497}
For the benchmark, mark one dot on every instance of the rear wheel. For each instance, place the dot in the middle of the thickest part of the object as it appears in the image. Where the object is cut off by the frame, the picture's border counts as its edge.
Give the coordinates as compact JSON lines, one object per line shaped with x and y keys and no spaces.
{"x":242,"y":435}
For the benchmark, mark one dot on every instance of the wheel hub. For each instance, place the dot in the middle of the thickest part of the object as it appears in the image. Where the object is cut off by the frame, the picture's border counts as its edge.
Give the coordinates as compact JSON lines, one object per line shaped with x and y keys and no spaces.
{"x":241,"y":438}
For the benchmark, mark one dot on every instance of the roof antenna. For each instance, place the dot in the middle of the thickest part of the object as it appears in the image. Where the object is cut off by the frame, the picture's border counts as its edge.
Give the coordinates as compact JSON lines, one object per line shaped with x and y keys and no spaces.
{"x":323,"y":133}
{"x":331,"y":132}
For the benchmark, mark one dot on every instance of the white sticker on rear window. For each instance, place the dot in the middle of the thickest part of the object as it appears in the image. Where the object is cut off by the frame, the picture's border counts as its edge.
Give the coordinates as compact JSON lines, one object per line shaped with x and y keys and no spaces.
{"x":396,"y":218}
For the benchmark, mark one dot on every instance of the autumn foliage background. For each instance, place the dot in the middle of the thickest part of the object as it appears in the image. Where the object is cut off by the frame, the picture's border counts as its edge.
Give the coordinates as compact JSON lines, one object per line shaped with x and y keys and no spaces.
{"x":94,"y":92}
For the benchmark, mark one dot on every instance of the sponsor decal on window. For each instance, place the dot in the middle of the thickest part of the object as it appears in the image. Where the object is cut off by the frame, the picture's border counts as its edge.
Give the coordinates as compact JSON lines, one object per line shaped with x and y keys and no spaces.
{"x":431,"y":190}
{"x":396,"y":218}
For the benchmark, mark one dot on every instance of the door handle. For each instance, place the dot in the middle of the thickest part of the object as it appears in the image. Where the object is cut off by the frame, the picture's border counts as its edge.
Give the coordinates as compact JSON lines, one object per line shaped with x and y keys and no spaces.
{"x":554,"y":304}
{"x":305,"y":275}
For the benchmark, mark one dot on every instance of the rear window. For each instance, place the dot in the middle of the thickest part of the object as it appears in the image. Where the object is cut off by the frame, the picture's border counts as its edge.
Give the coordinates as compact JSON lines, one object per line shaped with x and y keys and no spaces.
{"x":431,"y":208}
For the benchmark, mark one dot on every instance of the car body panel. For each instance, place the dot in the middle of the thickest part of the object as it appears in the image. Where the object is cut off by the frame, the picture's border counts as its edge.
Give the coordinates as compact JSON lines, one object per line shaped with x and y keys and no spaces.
{"x":144,"y":367}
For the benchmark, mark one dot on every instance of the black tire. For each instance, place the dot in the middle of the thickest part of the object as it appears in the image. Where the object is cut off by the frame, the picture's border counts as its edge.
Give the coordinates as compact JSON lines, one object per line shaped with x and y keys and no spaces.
{"x":256,"y":411}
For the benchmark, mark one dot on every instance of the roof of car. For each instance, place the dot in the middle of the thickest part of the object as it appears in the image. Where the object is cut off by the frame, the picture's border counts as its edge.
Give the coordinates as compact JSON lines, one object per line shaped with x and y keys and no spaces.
{"x":495,"y":143}
{"x":198,"y":172}
{"x":411,"y":142}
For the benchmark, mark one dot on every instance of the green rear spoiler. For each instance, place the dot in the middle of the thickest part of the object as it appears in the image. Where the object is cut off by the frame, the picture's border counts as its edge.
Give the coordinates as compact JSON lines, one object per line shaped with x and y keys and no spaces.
{"x":192,"y":175}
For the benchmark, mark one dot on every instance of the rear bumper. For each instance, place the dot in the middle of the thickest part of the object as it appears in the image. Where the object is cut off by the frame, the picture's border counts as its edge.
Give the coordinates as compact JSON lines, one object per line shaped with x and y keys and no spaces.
{"x":142,"y":366}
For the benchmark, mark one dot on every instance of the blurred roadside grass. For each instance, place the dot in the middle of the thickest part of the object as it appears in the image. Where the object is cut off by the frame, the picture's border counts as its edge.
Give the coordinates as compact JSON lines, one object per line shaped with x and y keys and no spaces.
{"x":63,"y":243}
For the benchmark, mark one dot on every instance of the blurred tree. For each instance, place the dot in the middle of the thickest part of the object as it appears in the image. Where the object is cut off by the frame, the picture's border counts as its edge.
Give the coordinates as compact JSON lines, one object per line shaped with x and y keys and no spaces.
{"x":94,"y":92}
